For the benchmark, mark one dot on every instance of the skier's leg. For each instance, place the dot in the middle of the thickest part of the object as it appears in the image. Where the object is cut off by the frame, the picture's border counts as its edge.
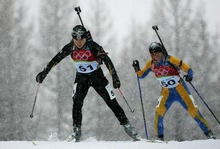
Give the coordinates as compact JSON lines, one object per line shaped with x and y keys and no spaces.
{"x":105,"y":90}
{"x":107,"y":93}
{"x":79,"y":92}
{"x":187,"y":101}
{"x":160,"y":111}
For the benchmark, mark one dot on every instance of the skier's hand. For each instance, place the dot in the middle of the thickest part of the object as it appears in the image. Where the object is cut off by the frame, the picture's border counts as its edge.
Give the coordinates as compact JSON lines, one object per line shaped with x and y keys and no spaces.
{"x":41,"y":76}
{"x":116,"y":81}
{"x":188,"y":78}
{"x":189,"y":75}
{"x":136,"y":66}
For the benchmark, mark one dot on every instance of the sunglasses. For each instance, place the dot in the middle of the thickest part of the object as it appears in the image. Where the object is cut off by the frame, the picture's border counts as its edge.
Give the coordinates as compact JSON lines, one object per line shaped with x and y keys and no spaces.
{"x":79,"y":37}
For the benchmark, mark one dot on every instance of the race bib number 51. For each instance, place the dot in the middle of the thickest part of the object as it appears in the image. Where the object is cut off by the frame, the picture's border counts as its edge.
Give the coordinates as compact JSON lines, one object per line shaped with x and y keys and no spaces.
{"x":86,"y":67}
{"x":169,"y":81}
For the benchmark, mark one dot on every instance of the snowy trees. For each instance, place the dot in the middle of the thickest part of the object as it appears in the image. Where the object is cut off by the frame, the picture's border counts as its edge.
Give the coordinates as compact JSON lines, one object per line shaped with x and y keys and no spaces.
{"x":25,"y":50}
{"x":13,"y":75}
{"x":7,"y":103}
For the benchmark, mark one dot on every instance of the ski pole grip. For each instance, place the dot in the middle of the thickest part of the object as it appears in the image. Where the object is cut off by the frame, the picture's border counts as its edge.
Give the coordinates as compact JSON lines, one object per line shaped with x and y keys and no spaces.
{"x":155,"y":27}
{"x":77,"y":9}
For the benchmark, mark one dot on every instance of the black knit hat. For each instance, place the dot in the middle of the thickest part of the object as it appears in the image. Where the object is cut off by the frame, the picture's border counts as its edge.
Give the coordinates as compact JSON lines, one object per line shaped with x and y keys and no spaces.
{"x":79,"y":32}
{"x":155,"y":47}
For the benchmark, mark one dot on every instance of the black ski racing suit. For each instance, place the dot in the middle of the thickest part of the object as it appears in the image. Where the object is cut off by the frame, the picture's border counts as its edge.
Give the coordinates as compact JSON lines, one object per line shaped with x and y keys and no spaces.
{"x":89,"y":73}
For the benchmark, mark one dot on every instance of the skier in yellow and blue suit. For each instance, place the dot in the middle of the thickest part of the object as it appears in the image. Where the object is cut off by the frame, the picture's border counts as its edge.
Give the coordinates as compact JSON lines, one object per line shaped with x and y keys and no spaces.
{"x":167,"y":71}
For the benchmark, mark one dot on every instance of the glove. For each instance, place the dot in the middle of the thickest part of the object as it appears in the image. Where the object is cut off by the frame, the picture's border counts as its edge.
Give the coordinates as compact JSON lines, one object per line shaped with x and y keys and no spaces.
{"x":136,"y":66}
{"x":188,"y":78}
{"x":116,"y":81}
{"x":189,"y":75}
{"x":41,"y":76}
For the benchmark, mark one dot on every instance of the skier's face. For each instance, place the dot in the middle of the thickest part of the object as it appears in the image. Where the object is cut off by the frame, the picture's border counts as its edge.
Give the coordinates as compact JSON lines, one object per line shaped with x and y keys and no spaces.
{"x":79,"y":43}
{"x":156,"y":57}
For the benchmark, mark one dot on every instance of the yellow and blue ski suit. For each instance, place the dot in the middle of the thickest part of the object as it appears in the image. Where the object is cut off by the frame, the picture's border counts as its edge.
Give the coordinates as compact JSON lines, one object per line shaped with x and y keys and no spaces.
{"x":167,"y":72}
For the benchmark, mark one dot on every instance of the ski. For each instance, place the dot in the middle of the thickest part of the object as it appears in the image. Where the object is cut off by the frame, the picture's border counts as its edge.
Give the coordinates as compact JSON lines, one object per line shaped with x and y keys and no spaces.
{"x":156,"y":141}
{"x":152,"y":140}
{"x":33,"y":143}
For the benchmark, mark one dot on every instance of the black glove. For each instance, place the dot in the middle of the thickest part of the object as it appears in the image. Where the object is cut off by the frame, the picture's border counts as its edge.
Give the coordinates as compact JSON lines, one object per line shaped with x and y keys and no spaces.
{"x":41,"y":76}
{"x":116,"y":81}
{"x":188,"y":78}
{"x":136,"y":66}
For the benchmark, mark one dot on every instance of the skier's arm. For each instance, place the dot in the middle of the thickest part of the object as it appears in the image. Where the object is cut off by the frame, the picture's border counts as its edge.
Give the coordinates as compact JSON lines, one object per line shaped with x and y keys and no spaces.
{"x":102,"y":56}
{"x":145,"y":71}
{"x":183,"y":66}
{"x":112,"y":70}
{"x":109,"y":65}
{"x":66,"y":50}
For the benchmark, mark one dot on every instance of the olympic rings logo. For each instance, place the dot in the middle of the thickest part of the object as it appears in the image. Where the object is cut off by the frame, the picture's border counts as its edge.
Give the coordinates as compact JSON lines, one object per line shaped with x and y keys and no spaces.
{"x":162,"y":71}
{"x":81,"y":55}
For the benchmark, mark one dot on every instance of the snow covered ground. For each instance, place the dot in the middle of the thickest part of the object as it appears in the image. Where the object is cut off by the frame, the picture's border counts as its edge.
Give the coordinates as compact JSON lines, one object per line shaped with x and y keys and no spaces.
{"x":94,"y":144}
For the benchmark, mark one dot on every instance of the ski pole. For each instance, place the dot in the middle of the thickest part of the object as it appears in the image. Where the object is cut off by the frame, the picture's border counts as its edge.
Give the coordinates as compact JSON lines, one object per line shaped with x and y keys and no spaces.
{"x":155,"y":28}
{"x":132,"y":110}
{"x":204,"y":101}
{"x":35,"y":98}
{"x":142,"y":106}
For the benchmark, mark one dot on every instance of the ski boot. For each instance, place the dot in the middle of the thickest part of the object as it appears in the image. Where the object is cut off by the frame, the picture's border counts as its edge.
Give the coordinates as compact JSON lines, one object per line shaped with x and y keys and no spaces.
{"x":75,"y":136}
{"x":160,"y":137}
{"x":210,"y":135}
{"x":131,"y":132}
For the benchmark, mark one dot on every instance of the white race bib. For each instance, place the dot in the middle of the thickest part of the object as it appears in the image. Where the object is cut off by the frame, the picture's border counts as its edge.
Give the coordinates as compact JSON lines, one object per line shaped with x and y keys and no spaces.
{"x":86,"y":67}
{"x":110,"y":91}
{"x":169,"y":81}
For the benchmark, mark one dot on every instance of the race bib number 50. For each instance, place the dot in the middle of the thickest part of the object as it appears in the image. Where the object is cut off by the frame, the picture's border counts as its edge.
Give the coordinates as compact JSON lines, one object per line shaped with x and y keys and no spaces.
{"x":169,"y":81}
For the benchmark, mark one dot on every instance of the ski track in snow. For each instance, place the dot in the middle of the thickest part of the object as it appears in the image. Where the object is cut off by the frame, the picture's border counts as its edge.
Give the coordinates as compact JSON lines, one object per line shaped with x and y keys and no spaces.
{"x":94,"y":144}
